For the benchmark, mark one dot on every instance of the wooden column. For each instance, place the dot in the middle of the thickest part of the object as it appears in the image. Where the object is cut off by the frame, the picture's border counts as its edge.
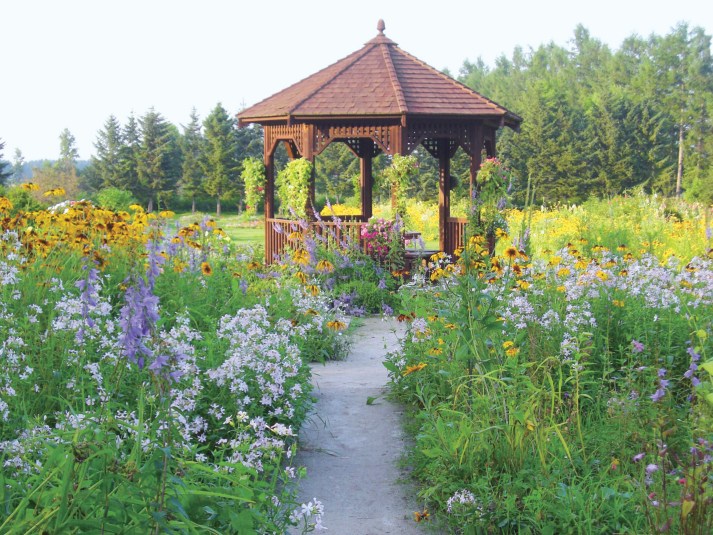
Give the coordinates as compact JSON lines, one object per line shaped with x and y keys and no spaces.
{"x":476,"y":157}
{"x":366,"y":183}
{"x":269,"y":161}
{"x":444,"y":194}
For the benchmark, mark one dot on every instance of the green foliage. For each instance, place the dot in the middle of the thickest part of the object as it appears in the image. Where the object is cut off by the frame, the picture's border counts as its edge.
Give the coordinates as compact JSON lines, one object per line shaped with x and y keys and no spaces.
{"x":192,"y":148}
{"x":4,"y":173}
{"x":22,"y":200}
{"x":115,"y":199}
{"x":219,"y":164}
{"x":399,"y":177}
{"x":253,"y":176}
{"x":293,"y":184}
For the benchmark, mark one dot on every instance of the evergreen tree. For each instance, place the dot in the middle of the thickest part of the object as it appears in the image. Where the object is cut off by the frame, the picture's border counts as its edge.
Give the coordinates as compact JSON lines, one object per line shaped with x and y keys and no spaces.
{"x":18,"y":166}
{"x":107,"y":162}
{"x":4,"y":172}
{"x":68,"y":154}
{"x":192,"y":148}
{"x":129,"y":157}
{"x":156,"y":158}
{"x":220,"y":165}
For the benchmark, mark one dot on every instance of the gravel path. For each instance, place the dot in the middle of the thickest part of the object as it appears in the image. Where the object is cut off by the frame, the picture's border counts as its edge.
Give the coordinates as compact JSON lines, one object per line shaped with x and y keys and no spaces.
{"x":351,"y":449}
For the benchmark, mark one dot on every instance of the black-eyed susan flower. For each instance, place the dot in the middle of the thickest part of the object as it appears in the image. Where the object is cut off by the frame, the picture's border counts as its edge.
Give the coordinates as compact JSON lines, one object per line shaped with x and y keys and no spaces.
{"x":300,"y":257}
{"x":414,"y":368}
{"x":336,"y":325}
{"x":301,"y":276}
{"x":206,"y":269}
{"x":421,"y":516}
{"x":511,"y":253}
{"x":312,"y":289}
{"x":29,"y":186}
{"x":325,"y":266}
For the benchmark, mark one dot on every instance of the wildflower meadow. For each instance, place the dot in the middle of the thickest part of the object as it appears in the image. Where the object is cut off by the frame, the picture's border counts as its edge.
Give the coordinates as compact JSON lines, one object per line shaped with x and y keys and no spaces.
{"x":155,"y":374}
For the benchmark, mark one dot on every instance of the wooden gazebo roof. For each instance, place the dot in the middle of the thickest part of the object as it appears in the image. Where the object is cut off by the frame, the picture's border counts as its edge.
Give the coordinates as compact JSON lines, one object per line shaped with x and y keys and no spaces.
{"x":378,"y":99}
{"x":378,"y":80}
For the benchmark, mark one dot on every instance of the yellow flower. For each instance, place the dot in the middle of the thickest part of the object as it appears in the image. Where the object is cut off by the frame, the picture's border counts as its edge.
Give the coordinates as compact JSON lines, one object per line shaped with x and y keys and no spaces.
{"x":29,"y":186}
{"x":555,"y":260}
{"x":419,"y":516}
{"x":336,"y":325}
{"x":254,"y":265}
{"x":56,"y":192}
{"x":415,"y":368}
{"x":435,"y":351}
{"x":313,"y":289}
{"x":508,"y":344}
{"x":561,"y":289}
{"x":500,"y":233}
{"x":206,"y":269}
{"x":511,"y":252}
{"x":302,"y":277}
{"x":563,"y":272}
{"x":618,"y":303}
{"x":523,"y":284}
{"x":136,"y":208}
{"x":295,"y":235}
{"x":167,"y":214}
{"x":5,"y":204}
{"x":325,"y":266}
{"x":602,"y":275}
{"x":300,"y":257}
{"x":513,"y":351}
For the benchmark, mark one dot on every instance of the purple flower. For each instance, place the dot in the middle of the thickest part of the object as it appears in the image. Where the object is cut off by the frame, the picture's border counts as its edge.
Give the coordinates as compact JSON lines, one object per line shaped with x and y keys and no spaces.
{"x":636,"y":458}
{"x":651,"y":468}
{"x":243,"y":286}
{"x":382,"y":284}
{"x":661,"y":372}
{"x":387,"y":310}
{"x":636,"y":346}
{"x":658,"y":395}
{"x":695,"y":357}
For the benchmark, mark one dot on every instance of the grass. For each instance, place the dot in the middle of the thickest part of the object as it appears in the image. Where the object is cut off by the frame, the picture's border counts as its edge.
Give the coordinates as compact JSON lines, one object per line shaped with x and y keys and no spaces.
{"x":242,"y":229}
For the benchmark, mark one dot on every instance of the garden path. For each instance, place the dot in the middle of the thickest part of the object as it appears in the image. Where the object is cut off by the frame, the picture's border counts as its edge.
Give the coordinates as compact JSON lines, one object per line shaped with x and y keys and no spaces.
{"x":351,"y":449}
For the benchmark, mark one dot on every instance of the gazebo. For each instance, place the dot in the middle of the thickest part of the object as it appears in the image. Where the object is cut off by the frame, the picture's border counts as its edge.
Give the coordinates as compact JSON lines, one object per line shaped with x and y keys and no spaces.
{"x":377,"y":99}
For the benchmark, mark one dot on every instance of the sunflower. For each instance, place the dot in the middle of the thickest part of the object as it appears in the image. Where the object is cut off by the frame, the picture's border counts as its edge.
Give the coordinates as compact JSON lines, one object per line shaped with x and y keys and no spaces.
{"x":206,"y":269}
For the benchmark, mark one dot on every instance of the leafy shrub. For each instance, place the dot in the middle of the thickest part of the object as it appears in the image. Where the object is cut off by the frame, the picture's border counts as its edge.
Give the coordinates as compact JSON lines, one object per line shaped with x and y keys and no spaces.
{"x":115,"y":199}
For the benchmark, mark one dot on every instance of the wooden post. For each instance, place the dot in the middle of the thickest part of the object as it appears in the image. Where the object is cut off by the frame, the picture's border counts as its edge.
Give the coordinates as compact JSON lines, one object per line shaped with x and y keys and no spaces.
{"x":476,"y":157}
{"x":269,"y":161}
{"x":366,"y":184}
{"x":444,"y":194}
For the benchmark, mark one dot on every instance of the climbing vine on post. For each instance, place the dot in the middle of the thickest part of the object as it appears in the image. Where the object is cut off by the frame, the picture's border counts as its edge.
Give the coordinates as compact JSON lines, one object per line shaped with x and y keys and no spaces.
{"x":399,"y":175}
{"x":490,"y":199}
{"x":253,"y":176}
{"x":293,"y":186}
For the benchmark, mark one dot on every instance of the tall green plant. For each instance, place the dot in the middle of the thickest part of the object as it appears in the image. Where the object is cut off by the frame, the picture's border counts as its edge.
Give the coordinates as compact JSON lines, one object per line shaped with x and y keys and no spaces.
{"x":254,"y":177}
{"x":398,"y":176}
{"x":293,"y":186}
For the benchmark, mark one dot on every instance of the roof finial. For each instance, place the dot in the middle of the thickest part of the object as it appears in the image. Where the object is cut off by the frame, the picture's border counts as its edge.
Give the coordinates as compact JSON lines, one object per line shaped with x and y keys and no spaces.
{"x":381,"y":26}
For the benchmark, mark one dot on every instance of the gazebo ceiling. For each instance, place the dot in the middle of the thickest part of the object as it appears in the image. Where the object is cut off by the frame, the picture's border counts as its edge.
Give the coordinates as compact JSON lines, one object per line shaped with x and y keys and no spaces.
{"x":378,"y":81}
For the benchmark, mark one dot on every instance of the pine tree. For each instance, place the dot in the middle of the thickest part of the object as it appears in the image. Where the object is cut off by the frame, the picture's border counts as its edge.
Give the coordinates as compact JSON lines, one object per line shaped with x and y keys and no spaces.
{"x":18,"y":166}
{"x":192,"y":148}
{"x":4,"y":174}
{"x":129,"y":157}
{"x":220,"y":164}
{"x":68,"y":154}
{"x":156,"y":162}
{"x":107,"y":161}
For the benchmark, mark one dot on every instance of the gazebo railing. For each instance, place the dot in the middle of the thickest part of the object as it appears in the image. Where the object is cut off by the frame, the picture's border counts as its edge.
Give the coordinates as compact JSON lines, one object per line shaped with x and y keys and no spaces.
{"x":336,"y":234}
{"x":455,"y":233}
{"x":329,"y":233}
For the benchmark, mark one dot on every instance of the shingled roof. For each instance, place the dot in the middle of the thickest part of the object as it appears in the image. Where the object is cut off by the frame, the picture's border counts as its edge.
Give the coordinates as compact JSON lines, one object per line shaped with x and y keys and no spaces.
{"x":379,"y":80}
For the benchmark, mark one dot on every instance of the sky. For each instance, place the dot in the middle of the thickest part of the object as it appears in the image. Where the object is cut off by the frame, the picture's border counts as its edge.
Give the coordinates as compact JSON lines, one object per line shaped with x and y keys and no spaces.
{"x":73,"y":63}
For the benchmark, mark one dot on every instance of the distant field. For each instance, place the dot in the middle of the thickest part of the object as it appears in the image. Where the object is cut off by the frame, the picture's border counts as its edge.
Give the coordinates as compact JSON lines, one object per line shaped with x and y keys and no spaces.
{"x":240,"y":229}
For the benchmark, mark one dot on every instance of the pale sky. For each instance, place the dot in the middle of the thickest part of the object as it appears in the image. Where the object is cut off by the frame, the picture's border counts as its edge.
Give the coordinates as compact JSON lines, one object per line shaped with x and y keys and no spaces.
{"x":72,"y":63}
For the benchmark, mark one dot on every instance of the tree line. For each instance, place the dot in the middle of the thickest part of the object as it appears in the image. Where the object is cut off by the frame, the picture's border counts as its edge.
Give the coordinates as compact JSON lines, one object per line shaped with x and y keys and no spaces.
{"x":596,"y":122}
